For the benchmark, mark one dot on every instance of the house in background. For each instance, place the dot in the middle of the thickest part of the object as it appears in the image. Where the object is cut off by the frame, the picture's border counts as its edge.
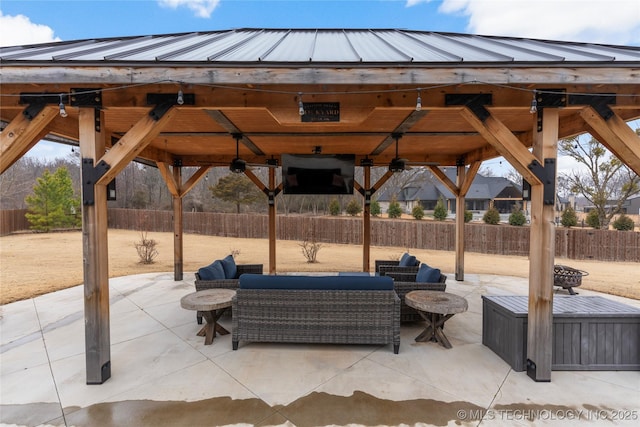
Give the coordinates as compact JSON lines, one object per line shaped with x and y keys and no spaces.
{"x":632,"y":206}
{"x":426,"y":189}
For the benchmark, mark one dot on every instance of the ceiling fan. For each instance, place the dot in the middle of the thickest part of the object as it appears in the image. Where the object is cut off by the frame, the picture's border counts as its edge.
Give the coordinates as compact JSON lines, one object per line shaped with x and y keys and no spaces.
{"x":237,"y":164}
{"x":397,"y":164}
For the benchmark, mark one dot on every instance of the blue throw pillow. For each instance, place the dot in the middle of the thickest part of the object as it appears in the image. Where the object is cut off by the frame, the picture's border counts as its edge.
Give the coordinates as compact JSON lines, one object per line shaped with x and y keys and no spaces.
{"x":427,"y":274}
{"x":213,"y":271}
{"x":408,"y":261}
{"x":229,"y":266}
{"x":403,"y":259}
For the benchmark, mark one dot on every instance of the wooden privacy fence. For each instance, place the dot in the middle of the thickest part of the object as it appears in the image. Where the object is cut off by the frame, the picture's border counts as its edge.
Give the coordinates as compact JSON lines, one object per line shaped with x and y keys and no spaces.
{"x":12,"y":221}
{"x":571,"y":243}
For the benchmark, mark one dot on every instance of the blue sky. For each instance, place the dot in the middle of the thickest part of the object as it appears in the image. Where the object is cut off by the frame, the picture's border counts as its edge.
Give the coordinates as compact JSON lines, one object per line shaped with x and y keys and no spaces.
{"x":38,"y":21}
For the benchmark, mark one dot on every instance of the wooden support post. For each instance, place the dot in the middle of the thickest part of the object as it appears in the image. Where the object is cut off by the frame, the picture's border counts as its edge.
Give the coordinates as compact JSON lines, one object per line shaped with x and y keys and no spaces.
{"x":541,"y":258}
{"x":460,"y":207}
{"x":366,"y":221}
{"x":95,"y":256}
{"x":272,"y":221}
{"x":178,"y":254}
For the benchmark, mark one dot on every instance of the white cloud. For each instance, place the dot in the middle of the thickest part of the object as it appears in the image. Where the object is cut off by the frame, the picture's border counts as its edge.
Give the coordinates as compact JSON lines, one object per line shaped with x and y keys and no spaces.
{"x":595,"y":21}
{"x":202,"y":8}
{"x":19,"y":30}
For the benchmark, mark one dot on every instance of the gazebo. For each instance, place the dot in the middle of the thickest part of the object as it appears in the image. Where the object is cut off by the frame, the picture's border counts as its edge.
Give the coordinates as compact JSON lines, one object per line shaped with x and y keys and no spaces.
{"x":242,"y":98}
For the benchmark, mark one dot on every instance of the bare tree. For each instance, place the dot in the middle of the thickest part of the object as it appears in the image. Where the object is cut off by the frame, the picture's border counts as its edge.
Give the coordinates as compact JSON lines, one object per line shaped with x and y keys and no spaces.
{"x":603,"y":179}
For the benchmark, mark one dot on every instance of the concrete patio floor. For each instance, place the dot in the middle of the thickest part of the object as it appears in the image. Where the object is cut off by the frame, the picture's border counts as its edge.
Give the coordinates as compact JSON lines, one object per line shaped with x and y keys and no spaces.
{"x":164,"y":375}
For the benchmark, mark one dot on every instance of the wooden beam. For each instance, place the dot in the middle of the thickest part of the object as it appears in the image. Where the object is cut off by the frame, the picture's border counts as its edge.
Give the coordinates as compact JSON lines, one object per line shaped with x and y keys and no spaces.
{"x":224,"y":121}
{"x":505,"y":142}
{"x":366,"y":222}
{"x":132,"y":143}
{"x":541,"y":259}
{"x":384,"y":178}
{"x":256,"y":181}
{"x":470,"y":176}
{"x":320,"y":75}
{"x":167,"y":175}
{"x":21,"y":134}
{"x":193,"y":180}
{"x":616,"y":135}
{"x":459,"y":235}
{"x":443,"y":178}
{"x":95,"y":257}
{"x":409,"y":121}
{"x":272,"y":221}
{"x":178,"y":228}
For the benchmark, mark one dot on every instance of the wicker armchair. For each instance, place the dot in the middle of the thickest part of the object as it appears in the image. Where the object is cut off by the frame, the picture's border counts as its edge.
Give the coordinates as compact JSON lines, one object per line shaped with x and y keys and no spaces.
{"x":403,"y":283}
{"x":201,"y":285}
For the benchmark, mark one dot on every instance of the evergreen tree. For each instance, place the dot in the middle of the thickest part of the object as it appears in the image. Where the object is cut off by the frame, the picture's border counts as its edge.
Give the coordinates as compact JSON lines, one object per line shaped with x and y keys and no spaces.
{"x":491,"y":216}
{"x":593,"y":218}
{"x":52,"y":203}
{"x":417,"y":211}
{"x":468,"y":216}
{"x":334,"y":207}
{"x":569,"y":217}
{"x":237,"y":189}
{"x":517,"y":218}
{"x":623,"y":223}
{"x":440,"y":211}
{"x":375,"y":209}
{"x":354,"y":207}
{"x":394,"y":211}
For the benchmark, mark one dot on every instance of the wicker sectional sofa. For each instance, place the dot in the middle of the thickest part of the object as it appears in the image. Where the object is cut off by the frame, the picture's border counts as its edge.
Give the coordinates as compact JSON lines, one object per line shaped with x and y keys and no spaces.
{"x":316,"y":309}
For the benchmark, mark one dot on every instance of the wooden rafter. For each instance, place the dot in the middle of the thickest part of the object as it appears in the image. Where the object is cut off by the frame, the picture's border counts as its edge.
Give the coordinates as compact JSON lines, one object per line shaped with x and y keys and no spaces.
{"x":21,"y":134}
{"x":469,"y":177}
{"x":445,"y":180}
{"x":505,"y":142}
{"x":616,"y":135}
{"x":167,"y":175}
{"x":132,"y":143}
{"x":224,"y":121}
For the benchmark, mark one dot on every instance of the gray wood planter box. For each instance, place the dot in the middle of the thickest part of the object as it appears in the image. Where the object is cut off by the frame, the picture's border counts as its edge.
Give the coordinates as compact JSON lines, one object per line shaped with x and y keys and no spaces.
{"x":589,"y":332}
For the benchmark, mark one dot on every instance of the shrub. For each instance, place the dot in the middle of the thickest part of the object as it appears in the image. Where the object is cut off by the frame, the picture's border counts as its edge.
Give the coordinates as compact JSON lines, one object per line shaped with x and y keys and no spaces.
{"x":468,"y":216}
{"x":354,"y":207}
{"x":517,"y":218}
{"x":569,"y":217}
{"x":375,"y":208}
{"x":417,"y":211}
{"x":492,"y":216}
{"x":334,"y":207}
{"x":146,"y":249}
{"x":593,"y":220}
{"x":310,"y":250}
{"x":394,"y":211}
{"x":440,"y":211}
{"x":623,"y":223}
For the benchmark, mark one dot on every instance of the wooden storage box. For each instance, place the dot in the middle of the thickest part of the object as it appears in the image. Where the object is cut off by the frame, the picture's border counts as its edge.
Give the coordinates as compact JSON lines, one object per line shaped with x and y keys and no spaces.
{"x":589,"y":332}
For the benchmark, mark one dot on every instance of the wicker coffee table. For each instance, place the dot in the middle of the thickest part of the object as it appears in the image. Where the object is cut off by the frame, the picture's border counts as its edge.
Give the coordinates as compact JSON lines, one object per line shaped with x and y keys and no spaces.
{"x":435,"y":307}
{"x":212,"y":303}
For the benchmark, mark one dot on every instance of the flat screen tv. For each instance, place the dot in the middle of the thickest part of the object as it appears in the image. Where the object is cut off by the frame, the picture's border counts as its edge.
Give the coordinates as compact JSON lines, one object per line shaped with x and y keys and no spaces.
{"x":318,"y":173}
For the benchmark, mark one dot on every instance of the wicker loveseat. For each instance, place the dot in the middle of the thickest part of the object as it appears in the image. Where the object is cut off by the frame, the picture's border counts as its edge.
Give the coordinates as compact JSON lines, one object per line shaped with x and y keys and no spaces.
{"x":316,"y":309}
{"x":230,"y":282}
